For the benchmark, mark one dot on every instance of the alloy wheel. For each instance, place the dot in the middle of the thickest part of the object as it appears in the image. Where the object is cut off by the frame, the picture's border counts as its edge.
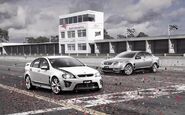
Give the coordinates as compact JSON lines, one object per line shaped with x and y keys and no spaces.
{"x":55,"y":86}
{"x":28,"y":83}
{"x":128,"y":69}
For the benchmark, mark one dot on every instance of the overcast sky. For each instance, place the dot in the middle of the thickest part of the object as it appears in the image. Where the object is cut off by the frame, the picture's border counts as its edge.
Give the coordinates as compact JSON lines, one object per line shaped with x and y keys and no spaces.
{"x":24,"y":18}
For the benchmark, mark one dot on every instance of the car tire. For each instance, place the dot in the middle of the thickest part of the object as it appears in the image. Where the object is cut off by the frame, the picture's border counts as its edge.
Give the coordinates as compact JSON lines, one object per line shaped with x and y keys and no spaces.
{"x":154,"y":68}
{"x":55,"y":85}
{"x":128,"y":70}
{"x":28,"y":83}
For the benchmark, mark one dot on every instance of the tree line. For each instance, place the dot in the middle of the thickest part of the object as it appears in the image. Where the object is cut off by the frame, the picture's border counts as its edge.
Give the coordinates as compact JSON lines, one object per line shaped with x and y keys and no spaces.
{"x":4,"y":37}
{"x":130,"y":34}
{"x":41,"y":39}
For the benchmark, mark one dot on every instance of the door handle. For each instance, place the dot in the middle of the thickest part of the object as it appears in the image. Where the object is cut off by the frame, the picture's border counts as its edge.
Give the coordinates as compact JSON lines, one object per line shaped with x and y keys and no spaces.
{"x":38,"y":71}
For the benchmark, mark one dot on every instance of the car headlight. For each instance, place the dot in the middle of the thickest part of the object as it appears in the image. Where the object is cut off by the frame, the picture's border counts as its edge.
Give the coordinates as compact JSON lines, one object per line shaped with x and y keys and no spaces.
{"x":117,"y":63}
{"x":97,"y":74}
{"x":68,"y":76}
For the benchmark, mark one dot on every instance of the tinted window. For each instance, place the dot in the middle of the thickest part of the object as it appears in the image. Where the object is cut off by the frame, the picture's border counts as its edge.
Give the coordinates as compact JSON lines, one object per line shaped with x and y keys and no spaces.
{"x":148,"y":54}
{"x":65,"y":62}
{"x":44,"y":62}
{"x":126,"y":55}
{"x":35,"y":63}
{"x":140,"y":54}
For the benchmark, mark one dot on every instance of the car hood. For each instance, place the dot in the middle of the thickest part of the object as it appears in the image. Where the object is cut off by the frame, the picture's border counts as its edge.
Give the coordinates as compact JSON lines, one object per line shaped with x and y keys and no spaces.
{"x":79,"y":70}
{"x":117,"y":60}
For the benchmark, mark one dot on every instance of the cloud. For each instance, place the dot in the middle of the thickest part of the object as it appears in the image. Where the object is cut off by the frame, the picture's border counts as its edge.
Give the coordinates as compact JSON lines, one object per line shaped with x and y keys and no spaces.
{"x":80,"y":5}
{"x":40,"y":18}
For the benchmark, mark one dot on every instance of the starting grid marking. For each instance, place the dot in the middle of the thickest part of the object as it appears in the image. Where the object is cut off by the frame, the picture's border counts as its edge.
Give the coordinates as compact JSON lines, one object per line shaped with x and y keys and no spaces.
{"x":127,"y":96}
{"x":90,"y":101}
{"x":41,"y":111}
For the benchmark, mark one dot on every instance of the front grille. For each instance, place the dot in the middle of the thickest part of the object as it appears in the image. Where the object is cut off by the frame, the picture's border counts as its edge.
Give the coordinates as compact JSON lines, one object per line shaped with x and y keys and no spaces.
{"x":82,"y":86}
{"x":107,"y":69}
{"x":108,"y":63}
{"x":85,"y":75}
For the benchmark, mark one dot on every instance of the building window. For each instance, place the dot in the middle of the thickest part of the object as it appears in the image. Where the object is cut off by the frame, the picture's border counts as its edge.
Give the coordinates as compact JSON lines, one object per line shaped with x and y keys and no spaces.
{"x":71,"y":34}
{"x":80,"y":18}
{"x":75,"y":19}
{"x":66,"y":21}
{"x":70,"y":20}
{"x":71,"y":47}
{"x":85,"y":18}
{"x":91,"y":17}
{"x":61,"y":21}
{"x":81,"y":33}
{"x":62,"y":34}
{"x":82,"y":46}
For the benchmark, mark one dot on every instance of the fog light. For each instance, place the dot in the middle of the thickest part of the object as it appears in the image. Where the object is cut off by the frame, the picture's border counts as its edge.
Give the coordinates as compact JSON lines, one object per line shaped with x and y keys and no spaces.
{"x":67,"y":83}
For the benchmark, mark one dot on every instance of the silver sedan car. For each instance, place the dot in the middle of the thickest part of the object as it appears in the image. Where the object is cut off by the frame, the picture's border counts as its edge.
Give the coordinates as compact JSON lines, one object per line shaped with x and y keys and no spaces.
{"x":127,"y":62}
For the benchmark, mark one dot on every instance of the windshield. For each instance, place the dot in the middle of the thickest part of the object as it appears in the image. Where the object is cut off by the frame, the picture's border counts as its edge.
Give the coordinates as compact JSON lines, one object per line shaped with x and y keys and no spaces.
{"x":126,"y":55}
{"x":65,"y":62}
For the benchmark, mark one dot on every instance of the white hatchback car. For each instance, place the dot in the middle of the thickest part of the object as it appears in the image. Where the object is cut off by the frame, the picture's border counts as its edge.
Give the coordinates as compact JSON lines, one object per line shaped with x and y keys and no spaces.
{"x":61,"y":73}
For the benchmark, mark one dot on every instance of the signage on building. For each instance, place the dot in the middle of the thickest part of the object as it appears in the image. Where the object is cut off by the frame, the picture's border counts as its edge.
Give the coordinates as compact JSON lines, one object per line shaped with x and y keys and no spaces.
{"x":71,"y":27}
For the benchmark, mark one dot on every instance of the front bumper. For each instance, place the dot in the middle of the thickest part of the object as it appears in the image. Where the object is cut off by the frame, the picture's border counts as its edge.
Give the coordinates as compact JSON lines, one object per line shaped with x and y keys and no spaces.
{"x":111,"y":68}
{"x":82,"y":84}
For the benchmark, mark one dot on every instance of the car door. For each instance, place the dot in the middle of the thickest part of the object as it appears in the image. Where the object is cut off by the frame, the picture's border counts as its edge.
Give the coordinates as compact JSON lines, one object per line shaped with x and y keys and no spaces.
{"x":44,"y":74}
{"x":139,"y":60}
{"x":34,"y":69}
{"x":148,"y":59}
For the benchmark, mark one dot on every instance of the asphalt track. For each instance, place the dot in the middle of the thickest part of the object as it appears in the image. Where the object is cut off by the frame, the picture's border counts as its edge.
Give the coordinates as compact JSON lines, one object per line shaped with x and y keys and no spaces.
{"x":143,"y":93}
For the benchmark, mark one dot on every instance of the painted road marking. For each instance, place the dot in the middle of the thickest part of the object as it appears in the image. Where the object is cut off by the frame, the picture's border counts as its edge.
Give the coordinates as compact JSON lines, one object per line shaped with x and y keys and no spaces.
{"x":41,"y":111}
{"x":50,"y":100}
{"x":91,"y":101}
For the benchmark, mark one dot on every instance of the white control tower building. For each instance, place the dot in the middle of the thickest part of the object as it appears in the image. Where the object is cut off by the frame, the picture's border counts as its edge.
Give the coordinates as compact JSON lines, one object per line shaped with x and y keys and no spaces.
{"x":77,"y":32}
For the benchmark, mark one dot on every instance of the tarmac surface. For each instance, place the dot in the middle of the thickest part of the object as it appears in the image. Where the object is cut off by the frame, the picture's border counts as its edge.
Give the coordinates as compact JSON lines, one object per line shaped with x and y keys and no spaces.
{"x":143,"y":93}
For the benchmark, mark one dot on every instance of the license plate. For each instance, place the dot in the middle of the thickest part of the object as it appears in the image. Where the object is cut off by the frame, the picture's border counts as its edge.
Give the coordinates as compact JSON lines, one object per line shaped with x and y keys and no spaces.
{"x":87,"y":81}
{"x":106,"y":67}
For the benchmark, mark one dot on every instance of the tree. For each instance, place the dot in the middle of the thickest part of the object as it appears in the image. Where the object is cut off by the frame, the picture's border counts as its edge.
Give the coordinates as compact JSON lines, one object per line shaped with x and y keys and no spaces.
{"x":39,"y":39}
{"x":130,"y":32}
{"x":119,"y":36}
{"x":4,"y":35}
{"x":54,"y":38}
{"x":106,"y":35}
{"x":142,"y":34}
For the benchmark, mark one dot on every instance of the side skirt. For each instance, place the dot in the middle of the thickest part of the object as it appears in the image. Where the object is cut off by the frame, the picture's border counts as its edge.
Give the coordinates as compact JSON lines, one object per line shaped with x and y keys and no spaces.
{"x":42,"y":85}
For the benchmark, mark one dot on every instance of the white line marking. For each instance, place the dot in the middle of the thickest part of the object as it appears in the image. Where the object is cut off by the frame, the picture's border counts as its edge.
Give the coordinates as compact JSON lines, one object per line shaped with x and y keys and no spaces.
{"x":127,"y":96}
{"x":41,"y":111}
{"x":50,"y":100}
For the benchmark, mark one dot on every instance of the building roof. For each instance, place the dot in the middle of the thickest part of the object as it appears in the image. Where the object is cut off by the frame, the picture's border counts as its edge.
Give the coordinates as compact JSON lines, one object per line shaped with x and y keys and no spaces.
{"x":18,"y":44}
{"x":79,"y":13}
{"x":142,"y":38}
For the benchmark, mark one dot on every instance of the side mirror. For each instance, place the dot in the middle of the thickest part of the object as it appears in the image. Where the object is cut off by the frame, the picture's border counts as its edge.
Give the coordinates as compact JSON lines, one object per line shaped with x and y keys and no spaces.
{"x":45,"y":67}
{"x":137,"y":57}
